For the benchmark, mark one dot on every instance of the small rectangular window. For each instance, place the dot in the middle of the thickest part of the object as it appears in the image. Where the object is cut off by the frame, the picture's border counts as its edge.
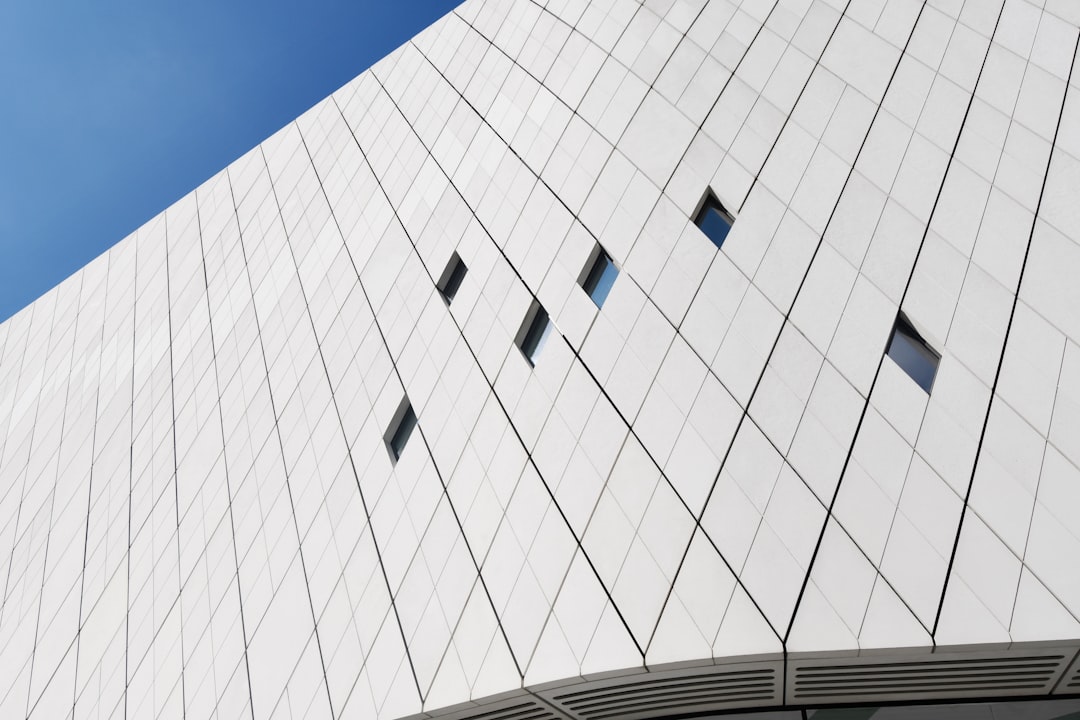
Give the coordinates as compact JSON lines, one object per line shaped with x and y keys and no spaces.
{"x":534,"y":332}
{"x":451,"y":278}
{"x":714,"y":220}
{"x":913,"y":354}
{"x":397,"y":437}
{"x":600,"y":277}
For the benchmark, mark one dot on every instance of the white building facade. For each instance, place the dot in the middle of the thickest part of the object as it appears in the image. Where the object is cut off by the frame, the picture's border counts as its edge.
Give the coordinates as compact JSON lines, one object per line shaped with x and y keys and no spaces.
{"x":581,"y":359}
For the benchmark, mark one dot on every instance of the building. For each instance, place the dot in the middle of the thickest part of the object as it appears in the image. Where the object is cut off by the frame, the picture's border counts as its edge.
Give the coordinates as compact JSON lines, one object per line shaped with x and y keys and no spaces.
{"x":581,"y":360}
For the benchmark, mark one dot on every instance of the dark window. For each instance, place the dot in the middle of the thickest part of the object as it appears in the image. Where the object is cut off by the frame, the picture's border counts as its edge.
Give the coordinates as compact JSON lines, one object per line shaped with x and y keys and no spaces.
{"x":914,"y":356}
{"x":452,"y":277}
{"x":397,"y":437}
{"x":714,"y":220}
{"x":601,"y":276}
{"x":1028,"y":709}
{"x":534,"y":332}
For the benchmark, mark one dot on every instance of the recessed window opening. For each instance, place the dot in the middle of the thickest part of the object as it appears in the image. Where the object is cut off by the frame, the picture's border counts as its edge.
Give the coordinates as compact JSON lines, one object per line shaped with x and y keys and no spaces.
{"x":713,"y":219}
{"x":397,"y":436}
{"x":451,"y":278}
{"x":913,"y":354}
{"x":600,"y":276}
{"x":534,"y":332}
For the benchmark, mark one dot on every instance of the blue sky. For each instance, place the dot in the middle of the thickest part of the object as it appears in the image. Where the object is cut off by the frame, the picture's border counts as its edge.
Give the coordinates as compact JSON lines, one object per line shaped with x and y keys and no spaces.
{"x":114,"y":109}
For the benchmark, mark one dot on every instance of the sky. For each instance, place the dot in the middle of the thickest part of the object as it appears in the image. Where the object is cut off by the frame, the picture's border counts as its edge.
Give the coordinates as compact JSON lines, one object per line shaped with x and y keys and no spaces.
{"x":112,"y":110}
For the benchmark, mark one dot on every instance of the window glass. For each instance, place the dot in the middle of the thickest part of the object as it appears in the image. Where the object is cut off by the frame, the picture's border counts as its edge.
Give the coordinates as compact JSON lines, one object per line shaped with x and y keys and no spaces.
{"x":399,"y":438}
{"x":600,"y":278}
{"x":1066,"y":709}
{"x":714,"y":220}
{"x":914,"y":356}
{"x":452,"y":277}
{"x":532,"y":342}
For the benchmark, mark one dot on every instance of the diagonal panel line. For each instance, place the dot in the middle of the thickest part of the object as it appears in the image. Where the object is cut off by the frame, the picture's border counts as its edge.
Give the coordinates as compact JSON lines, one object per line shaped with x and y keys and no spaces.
{"x":574,"y":350}
{"x":494,"y":393}
{"x":90,"y":488}
{"x":401,"y":381}
{"x":224,"y":452}
{"x":333,"y":398}
{"x":277,"y":428}
{"x":1005,"y":343}
{"x":710,"y":370}
{"x":175,"y":476}
{"x":52,"y":501}
{"x":881,"y":359}
{"x":17,"y":536}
